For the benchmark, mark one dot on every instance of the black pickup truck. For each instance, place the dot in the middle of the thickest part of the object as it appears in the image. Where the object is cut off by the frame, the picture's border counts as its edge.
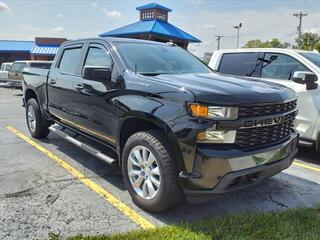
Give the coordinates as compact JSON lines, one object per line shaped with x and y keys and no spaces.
{"x":175,"y":128}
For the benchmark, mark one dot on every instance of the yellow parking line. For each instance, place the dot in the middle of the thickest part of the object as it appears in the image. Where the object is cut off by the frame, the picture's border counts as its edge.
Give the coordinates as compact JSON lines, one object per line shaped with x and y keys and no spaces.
{"x":306,"y":166}
{"x":133,"y":215}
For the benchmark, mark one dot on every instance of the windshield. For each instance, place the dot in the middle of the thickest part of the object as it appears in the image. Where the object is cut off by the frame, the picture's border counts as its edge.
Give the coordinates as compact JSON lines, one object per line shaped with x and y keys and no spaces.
{"x":154,"y":59}
{"x":312,"y":57}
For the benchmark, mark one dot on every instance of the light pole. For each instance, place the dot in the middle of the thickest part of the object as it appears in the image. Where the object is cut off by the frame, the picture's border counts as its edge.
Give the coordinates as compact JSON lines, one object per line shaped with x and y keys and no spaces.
{"x":218,"y":37}
{"x":238,"y":32}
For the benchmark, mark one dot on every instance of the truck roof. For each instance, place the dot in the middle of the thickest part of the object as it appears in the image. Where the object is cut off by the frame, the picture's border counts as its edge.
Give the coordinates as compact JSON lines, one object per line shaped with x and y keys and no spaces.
{"x":114,"y":39}
{"x":32,"y":61}
{"x":280,"y":50}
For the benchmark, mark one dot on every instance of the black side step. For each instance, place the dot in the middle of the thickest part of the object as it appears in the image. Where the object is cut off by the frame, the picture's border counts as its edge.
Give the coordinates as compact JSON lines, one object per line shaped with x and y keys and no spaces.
{"x":93,"y":151}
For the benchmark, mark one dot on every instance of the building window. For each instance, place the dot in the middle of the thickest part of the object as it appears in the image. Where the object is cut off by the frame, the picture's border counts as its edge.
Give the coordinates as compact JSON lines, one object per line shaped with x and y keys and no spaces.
{"x":148,"y":15}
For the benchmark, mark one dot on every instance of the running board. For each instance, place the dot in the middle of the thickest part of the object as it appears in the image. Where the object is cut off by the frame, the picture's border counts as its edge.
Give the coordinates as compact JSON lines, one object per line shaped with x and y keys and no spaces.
{"x":83,"y":146}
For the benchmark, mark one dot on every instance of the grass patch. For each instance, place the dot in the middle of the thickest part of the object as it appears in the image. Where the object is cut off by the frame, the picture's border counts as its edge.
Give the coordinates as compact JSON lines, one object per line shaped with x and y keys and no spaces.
{"x":292,"y":224}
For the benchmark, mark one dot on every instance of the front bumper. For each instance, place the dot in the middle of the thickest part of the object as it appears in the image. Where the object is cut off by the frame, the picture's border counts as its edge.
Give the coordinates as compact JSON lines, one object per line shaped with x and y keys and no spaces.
{"x":220,"y":171}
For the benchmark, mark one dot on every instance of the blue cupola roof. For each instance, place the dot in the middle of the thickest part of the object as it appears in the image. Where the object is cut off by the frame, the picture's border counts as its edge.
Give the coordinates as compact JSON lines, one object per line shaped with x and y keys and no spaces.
{"x":153,"y":25}
{"x":153,"y":6}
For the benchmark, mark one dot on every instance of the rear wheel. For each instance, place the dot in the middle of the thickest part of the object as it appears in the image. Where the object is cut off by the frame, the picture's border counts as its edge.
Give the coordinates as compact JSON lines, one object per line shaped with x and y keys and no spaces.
{"x":38,"y":126}
{"x":150,"y":172}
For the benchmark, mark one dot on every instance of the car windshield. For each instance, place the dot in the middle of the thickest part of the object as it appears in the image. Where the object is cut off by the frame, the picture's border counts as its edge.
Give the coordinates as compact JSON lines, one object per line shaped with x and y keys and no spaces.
{"x":312,"y":57}
{"x":155,"y":59}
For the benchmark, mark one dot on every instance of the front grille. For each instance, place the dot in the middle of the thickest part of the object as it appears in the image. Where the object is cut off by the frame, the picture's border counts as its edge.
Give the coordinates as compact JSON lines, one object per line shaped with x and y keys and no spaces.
{"x":267,"y":109}
{"x":260,"y":136}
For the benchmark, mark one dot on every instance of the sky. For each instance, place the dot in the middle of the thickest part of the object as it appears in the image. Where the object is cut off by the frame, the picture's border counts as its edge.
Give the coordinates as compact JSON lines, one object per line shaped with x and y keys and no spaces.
{"x":204,"y":19}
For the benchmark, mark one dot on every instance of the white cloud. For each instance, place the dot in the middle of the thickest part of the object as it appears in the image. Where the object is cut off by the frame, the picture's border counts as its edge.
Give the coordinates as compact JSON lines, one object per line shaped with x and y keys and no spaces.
{"x":263,"y":24}
{"x":209,"y":26}
{"x":94,"y":4}
{"x":111,"y":14}
{"x":28,"y":28}
{"x":60,"y":15}
{"x":4,"y":7}
{"x":195,"y":2}
{"x":313,"y":30}
{"x":56,"y":30}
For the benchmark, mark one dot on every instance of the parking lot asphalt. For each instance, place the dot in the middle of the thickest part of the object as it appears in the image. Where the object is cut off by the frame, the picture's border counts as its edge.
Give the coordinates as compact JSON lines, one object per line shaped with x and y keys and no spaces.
{"x":37,"y":196}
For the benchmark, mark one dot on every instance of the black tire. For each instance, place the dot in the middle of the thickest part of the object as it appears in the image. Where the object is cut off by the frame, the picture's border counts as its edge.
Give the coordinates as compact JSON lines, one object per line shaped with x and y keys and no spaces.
{"x":170,"y":192}
{"x":41,"y":125}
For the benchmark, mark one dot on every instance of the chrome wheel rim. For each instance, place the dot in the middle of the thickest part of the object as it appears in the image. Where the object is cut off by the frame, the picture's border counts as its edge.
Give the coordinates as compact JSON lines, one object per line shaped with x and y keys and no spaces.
{"x":144,"y":172}
{"x":31,"y":119}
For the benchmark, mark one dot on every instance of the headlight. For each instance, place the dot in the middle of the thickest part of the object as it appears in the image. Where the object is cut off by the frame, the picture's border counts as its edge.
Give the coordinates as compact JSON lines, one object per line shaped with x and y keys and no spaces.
{"x":214,"y":112}
{"x":213,"y":136}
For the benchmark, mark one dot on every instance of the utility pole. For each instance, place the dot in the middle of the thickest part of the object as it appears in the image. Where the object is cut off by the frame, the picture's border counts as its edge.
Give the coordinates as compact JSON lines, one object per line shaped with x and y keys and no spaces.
{"x":238,"y":32}
{"x":218,"y":37}
{"x":300,"y":15}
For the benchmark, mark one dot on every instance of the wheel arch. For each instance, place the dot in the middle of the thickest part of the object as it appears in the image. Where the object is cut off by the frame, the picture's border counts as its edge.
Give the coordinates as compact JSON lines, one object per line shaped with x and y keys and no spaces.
{"x":141,"y":122}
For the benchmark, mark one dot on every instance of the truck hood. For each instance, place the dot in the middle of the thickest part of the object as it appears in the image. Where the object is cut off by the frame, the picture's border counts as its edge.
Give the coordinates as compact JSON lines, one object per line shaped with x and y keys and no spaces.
{"x":228,"y":90}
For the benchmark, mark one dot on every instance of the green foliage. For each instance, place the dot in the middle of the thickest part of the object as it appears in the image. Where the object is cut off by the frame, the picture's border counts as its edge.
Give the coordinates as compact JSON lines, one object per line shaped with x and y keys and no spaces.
{"x":308,"y":41}
{"x":274,"y":43}
{"x":317,"y":46}
{"x":294,"y":224}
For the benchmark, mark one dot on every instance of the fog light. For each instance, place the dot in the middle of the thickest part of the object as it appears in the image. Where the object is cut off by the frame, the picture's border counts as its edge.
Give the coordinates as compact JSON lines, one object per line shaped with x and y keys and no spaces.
{"x":211,"y":136}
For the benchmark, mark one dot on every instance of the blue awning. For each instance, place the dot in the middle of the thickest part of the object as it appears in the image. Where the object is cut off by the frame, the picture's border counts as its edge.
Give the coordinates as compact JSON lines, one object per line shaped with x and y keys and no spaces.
{"x":16,"y":46}
{"x":153,"y":26}
{"x":44,"y":50}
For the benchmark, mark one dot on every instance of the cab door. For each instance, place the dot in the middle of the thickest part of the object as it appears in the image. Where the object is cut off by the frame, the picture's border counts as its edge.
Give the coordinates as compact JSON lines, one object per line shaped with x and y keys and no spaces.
{"x":62,"y":75}
{"x":93,"y":106}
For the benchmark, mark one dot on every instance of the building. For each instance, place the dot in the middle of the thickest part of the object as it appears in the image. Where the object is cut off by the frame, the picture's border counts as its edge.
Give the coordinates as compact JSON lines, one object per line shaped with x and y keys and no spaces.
{"x":39,"y":49}
{"x":154,"y":25}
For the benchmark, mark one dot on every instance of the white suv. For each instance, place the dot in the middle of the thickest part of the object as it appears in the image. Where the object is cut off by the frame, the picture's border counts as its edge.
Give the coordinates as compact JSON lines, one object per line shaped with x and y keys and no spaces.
{"x":295,"y":69}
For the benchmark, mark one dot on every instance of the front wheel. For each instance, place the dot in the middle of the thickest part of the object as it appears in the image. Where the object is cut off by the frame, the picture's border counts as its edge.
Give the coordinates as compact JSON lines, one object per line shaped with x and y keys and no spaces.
{"x":38,"y":127}
{"x":150,"y":172}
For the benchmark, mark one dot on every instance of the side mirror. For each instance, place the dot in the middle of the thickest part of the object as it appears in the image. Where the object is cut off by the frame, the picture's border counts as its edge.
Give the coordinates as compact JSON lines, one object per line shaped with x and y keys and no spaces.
{"x":308,"y":78}
{"x":100,"y":74}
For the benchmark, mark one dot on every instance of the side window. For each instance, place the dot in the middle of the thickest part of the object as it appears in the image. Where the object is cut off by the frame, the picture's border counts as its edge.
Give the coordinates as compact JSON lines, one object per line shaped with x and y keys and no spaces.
{"x":98,"y":57}
{"x":280,"y":66}
{"x":70,"y":60}
{"x":3,"y":67}
{"x":17,"y":67}
{"x":240,"y":64}
{"x":41,"y":65}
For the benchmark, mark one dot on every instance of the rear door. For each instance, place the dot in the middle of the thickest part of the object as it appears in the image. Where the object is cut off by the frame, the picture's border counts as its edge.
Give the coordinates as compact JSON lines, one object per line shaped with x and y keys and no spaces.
{"x":239,"y":64}
{"x":15,"y":72}
{"x":61,"y":94}
{"x":94,"y":110}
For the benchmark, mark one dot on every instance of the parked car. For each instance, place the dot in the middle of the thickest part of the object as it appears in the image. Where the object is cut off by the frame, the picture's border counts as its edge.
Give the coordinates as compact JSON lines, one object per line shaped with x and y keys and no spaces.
{"x":15,"y":72}
{"x":295,"y":69}
{"x":173,"y":125}
{"x":4,"y":70}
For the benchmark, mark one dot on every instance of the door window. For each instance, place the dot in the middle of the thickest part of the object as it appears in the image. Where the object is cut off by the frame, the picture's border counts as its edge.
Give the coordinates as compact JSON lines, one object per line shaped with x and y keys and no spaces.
{"x":41,"y":65}
{"x":17,"y":67}
{"x":280,"y":66}
{"x":240,"y":64}
{"x":70,"y":60}
{"x":98,"y":57}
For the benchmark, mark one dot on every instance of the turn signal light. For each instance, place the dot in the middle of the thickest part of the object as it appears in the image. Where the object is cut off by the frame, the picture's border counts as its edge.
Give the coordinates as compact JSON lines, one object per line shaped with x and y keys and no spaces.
{"x":199,"y":110}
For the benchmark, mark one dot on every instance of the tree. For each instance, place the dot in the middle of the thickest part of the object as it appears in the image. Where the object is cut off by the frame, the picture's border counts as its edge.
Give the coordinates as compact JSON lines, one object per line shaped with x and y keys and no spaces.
{"x":274,"y":43}
{"x":317,"y":46}
{"x":308,"y":41}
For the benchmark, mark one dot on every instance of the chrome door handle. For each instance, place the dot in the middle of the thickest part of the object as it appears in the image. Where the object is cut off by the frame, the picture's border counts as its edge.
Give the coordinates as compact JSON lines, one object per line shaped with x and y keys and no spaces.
{"x":79,"y":87}
{"x":52,"y":81}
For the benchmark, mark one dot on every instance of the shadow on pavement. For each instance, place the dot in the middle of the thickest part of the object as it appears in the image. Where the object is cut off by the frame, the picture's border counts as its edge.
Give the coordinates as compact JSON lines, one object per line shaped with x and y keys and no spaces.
{"x":280,"y":192}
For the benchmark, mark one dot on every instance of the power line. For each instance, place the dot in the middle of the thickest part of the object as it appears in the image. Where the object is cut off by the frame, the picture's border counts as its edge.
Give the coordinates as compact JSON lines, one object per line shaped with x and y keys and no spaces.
{"x":218,"y":37}
{"x":300,"y":15}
